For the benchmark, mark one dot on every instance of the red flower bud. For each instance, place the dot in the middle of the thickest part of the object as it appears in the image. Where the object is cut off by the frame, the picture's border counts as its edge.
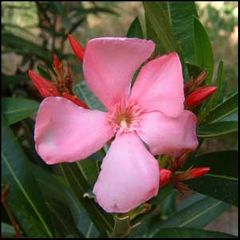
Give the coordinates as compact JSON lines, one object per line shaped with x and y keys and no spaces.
{"x":198,"y":172}
{"x":76,"y":47}
{"x":56,"y":61}
{"x":192,"y":173}
{"x":45,"y":88}
{"x":199,"y":95}
{"x":165,"y":176}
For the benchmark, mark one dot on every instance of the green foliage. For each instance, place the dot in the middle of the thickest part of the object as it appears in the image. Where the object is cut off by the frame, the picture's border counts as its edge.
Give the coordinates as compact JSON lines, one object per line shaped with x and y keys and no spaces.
{"x":135,"y":29}
{"x":57,"y":201}
{"x":25,"y":196}
{"x":203,"y":50}
{"x":190,"y":233}
{"x":17,"y":109}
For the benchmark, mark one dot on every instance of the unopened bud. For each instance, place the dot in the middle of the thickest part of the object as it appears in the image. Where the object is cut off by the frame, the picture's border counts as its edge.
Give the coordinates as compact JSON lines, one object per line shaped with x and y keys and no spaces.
{"x":56,"y":61}
{"x":199,"y":95}
{"x":165,"y":176}
{"x":76,"y":47}
{"x":194,"y":82}
{"x":45,"y":88}
{"x":193,"y":173}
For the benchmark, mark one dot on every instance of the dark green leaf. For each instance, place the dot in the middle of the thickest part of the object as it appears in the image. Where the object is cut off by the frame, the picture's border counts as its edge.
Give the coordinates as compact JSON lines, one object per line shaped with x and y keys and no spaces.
{"x":203,"y":50}
{"x":181,"y":17}
{"x":17,"y":109}
{"x":224,"y":188}
{"x":223,"y":163}
{"x":190,"y":233}
{"x":23,"y":46}
{"x":135,"y":29}
{"x":197,"y":215}
{"x":84,"y":93}
{"x":193,"y":70}
{"x":11,"y":80}
{"x":229,"y":106}
{"x":217,"y":129}
{"x":55,"y":188}
{"x":25,"y":196}
{"x":158,"y":18}
{"x":76,"y":179}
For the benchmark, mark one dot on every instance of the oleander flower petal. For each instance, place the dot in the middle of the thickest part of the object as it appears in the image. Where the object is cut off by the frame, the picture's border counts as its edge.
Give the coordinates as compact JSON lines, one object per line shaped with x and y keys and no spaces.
{"x":166,"y":135}
{"x":65,"y":132}
{"x":159,"y":86}
{"x":129,"y":175}
{"x":110,"y":63}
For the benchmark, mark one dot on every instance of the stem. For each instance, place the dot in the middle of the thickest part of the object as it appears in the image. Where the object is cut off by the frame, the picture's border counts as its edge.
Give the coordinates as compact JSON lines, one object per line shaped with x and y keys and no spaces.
{"x":4,"y":196}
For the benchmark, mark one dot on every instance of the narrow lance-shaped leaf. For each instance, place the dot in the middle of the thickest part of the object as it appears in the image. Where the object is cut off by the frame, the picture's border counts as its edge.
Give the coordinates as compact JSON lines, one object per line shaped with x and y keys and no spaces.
{"x":135,"y":29}
{"x":222,"y":180}
{"x":217,"y":129}
{"x":80,"y":187}
{"x":213,"y":100}
{"x":157,"y":16}
{"x":197,"y":215}
{"x":229,"y":106}
{"x":17,"y":109}
{"x":25,"y":197}
{"x":190,"y":233}
{"x":55,"y":188}
{"x":182,"y":17}
{"x":203,"y":50}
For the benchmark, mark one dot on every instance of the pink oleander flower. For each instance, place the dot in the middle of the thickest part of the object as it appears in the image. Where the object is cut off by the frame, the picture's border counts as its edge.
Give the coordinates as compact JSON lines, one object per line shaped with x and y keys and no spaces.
{"x":143,"y":120}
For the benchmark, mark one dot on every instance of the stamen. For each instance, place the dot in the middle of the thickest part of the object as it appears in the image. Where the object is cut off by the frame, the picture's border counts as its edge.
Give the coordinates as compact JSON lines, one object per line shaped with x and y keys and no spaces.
{"x":125,"y":116}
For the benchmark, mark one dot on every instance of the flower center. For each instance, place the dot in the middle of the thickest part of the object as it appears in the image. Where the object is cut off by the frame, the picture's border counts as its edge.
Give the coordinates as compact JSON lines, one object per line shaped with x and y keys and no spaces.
{"x":125,"y":116}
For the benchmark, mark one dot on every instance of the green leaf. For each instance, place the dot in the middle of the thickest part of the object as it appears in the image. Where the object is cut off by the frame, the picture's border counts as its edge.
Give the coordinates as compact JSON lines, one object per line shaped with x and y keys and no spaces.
{"x":223,"y":163}
{"x":84,"y":93}
{"x":79,"y":185}
{"x":203,"y":50}
{"x":224,"y":188}
{"x":23,"y":46}
{"x":217,"y":129}
{"x":222,"y":180}
{"x":12,"y":80}
{"x":17,"y":109}
{"x":229,"y":106}
{"x":157,"y":16}
{"x":25,"y":197}
{"x":55,"y":188}
{"x":190,"y":233}
{"x":7,"y":230}
{"x":181,"y":17}
{"x":135,"y":29}
{"x":62,"y":220}
{"x":193,"y":70}
{"x":197,"y":215}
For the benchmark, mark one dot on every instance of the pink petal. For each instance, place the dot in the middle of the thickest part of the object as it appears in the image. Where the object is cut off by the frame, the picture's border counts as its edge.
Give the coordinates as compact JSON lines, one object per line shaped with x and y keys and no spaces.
{"x":159,"y":86}
{"x":65,"y":132}
{"x":109,"y":65}
{"x":165,"y":135}
{"x":129,"y":175}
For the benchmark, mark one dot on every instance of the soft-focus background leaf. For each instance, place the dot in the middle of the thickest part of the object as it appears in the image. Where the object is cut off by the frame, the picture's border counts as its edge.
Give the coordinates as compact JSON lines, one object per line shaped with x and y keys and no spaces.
{"x":17,"y":109}
{"x":203,"y":50}
{"x":25,"y":196}
{"x":190,"y":233}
